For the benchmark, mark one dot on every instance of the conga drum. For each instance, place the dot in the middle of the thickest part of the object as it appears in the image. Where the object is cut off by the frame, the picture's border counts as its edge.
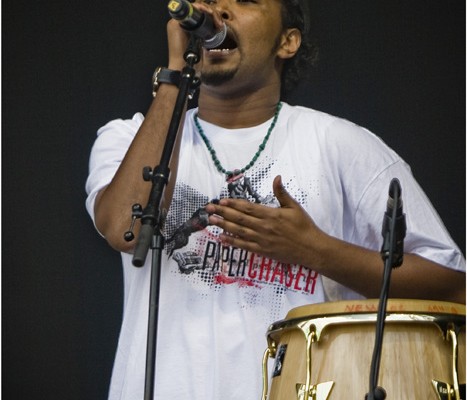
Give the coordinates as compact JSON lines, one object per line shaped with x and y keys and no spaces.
{"x":324,"y":351}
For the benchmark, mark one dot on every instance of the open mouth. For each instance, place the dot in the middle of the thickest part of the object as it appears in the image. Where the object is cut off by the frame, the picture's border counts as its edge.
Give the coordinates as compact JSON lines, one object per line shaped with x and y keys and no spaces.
{"x":228,"y":44}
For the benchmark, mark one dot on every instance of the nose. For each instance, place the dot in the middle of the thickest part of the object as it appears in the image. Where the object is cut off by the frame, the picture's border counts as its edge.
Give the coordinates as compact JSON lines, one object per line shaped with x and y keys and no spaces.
{"x":222,"y":7}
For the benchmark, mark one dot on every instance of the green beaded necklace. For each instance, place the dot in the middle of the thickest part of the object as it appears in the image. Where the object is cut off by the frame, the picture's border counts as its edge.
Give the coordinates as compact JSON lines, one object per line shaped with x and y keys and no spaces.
{"x":217,"y":163}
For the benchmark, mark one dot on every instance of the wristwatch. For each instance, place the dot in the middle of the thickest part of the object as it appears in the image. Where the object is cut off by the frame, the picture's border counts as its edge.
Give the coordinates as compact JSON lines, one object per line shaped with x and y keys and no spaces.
{"x":164,"y":75}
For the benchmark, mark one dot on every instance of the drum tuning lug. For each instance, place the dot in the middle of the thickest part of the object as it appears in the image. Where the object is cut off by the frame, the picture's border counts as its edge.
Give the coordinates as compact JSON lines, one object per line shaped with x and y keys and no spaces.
{"x":316,"y":392}
{"x":445,"y":391}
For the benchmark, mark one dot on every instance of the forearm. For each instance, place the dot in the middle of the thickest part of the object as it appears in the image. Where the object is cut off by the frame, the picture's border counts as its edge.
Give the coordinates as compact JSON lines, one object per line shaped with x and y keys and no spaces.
{"x":114,"y":203}
{"x":362,"y":270}
{"x":290,"y":235}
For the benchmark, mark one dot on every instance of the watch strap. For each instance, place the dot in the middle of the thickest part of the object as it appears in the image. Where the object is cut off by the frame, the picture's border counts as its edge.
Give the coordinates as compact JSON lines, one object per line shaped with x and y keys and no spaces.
{"x":164,"y":75}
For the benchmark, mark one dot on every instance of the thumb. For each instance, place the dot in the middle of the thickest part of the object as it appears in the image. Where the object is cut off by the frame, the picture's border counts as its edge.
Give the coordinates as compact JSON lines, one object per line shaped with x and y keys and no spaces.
{"x":281,"y":193}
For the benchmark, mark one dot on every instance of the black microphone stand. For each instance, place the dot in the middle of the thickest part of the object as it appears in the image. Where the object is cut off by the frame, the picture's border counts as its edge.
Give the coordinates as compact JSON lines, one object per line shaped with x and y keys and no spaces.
{"x":393,"y":232}
{"x":152,"y":220}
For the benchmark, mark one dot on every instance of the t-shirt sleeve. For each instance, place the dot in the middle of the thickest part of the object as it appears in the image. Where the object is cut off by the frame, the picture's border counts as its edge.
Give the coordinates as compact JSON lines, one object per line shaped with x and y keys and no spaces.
{"x":107,"y":153}
{"x":426,"y":234}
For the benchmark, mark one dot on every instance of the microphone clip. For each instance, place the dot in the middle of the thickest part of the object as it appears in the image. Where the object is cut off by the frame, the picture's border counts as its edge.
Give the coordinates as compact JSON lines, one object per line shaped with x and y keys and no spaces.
{"x":394,"y":227}
{"x":400,"y":229}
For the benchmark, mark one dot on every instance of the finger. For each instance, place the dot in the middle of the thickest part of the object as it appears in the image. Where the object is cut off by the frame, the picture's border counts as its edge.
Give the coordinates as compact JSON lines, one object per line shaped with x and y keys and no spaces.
{"x":240,"y":226}
{"x":209,"y":10}
{"x":226,"y":207}
{"x":239,"y":242}
{"x":284,"y":198}
{"x":256,"y":210}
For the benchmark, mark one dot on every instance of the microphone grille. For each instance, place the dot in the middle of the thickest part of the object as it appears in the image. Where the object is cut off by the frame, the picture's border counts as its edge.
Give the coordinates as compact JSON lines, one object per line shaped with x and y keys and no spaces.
{"x":217,"y":39}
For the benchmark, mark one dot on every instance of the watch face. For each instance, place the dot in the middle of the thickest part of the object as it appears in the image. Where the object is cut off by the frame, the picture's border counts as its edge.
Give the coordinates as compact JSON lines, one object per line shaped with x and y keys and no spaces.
{"x":155,"y":81}
{"x":156,"y":75}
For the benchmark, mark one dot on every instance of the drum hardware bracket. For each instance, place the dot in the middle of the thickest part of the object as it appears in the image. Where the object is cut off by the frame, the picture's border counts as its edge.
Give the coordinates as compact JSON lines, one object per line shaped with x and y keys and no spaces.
{"x":267,"y":353}
{"x":305,"y":391}
{"x":308,"y":391}
{"x":444,"y":390}
{"x":449,"y":328}
{"x":316,"y":392}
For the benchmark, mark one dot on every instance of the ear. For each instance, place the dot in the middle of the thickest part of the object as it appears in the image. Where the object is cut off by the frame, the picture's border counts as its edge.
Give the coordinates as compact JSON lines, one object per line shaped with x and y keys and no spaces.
{"x":290,"y":43}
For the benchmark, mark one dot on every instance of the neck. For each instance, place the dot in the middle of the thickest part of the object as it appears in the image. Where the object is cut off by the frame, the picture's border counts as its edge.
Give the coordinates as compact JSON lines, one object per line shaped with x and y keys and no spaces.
{"x":240,"y":111}
{"x":235,"y":174}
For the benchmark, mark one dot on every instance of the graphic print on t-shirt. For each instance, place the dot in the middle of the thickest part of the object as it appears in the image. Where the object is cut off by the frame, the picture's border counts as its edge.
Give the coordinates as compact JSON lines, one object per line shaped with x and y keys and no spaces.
{"x":195,"y":247}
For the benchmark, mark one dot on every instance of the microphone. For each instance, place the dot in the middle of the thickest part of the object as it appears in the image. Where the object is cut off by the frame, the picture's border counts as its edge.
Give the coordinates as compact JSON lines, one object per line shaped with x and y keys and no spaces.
{"x":394,"y":220}
{"x":197,"y":22}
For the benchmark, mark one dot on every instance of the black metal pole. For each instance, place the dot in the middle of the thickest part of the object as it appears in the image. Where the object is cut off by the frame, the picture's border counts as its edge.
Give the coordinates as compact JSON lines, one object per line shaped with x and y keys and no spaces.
{"x":154,"y":291}
{"x":150,"y":235}
{"x":392,"y":251}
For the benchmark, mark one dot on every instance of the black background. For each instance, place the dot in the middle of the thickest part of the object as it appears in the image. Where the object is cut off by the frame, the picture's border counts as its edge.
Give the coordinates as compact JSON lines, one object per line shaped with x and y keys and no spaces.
{"x":395,"y":67}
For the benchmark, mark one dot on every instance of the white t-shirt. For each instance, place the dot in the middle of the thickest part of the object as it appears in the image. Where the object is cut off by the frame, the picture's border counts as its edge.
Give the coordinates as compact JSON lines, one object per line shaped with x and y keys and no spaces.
{"x":216,"y":302}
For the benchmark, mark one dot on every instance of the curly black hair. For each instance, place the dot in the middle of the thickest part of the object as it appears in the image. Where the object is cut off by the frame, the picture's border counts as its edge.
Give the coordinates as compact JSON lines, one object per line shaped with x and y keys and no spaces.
{"x":295,"y":14}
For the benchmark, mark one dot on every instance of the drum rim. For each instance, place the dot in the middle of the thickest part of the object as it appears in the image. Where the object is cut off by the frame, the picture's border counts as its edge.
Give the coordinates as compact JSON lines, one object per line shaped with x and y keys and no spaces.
{"x":365,"y":311}
{"x":366,"y":306}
